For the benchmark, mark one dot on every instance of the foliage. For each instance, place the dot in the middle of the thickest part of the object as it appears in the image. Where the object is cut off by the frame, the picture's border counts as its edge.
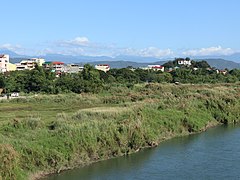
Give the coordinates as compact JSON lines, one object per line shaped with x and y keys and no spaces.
{"x":91,"y":80}
{"x":41,"y":80}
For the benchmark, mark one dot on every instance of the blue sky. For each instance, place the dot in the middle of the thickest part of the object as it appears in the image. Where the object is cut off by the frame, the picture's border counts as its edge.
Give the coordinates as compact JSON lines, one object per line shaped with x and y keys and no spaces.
{"x":155,"y":28}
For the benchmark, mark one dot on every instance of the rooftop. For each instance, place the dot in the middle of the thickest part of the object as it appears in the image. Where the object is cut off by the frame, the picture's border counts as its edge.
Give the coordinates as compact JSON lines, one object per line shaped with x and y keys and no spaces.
{"x":2,"y":55}
{"x":57,"y":62}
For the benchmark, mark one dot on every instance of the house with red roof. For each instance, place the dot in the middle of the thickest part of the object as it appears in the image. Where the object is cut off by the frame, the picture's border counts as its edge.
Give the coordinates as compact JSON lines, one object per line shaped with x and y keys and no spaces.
{"x":58,"y":67}
{"x":156,"y":67}
{"x":55,"y":66}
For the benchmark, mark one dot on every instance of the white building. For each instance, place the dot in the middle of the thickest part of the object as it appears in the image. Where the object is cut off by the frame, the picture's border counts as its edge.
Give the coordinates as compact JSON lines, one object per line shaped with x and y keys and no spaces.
{"x":29,"y":63}
{"x":185,"y":62}
{"x":103,"y":67}
{"x":4,"y":61}
{"x":156,"y":67}
{"x":38,"y":61}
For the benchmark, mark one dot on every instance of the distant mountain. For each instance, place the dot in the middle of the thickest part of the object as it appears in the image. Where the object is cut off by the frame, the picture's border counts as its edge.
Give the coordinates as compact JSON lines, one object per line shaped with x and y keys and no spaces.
{"x":10,"y":53}
{"x":75,"y":59}
{"x":233,"y":57}
{"x":218,"y":63}
{"x":15,"y":60}
{"x":222,"y":63}
{"x":122,"y":64}
{"x":125,"y":61}
{"x":138,"y":59}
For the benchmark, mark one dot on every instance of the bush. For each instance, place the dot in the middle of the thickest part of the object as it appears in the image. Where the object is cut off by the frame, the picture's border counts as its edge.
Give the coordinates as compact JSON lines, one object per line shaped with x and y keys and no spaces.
{"x":10,"y":162}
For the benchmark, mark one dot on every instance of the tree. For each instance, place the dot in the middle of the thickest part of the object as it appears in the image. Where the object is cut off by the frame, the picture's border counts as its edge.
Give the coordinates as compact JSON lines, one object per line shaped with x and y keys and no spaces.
{"x":235,"y":72}
{"x":201,"y":64}
{"x":125,"y":75}
{"x":91,"y":79}
{"x":2,"y":81}
{"x":169,"y":64}
{"x":64,"y":83}
{"x":142,"y":74}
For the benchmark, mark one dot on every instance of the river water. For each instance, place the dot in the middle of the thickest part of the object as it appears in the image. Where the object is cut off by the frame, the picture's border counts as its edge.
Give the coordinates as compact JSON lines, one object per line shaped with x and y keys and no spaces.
{"x":214,"y":154}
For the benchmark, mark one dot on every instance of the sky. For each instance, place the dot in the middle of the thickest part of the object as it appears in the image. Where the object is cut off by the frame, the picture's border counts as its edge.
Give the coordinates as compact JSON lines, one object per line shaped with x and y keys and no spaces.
{"x":148,"y":28}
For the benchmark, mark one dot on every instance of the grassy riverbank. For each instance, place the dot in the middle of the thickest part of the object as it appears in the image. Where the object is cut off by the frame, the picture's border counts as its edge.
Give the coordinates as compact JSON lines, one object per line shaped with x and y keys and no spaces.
{"x":50,"y":133}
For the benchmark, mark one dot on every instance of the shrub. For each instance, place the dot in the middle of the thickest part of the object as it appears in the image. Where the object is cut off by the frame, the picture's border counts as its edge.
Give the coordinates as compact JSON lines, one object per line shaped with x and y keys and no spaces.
{"x":9,"y":165}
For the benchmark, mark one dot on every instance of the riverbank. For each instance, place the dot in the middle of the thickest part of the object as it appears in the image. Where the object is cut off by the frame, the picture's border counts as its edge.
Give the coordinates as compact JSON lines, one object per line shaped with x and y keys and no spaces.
{"x":53,"y":133}
{"x":46,"y":175}
{"x":184,"y":157}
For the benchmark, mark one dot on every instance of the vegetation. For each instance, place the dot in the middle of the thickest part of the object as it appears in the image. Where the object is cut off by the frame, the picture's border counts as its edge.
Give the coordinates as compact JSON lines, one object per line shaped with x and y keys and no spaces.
{"x":50,"y":133}
{"x":194,"y":64}
{"x":93,"y":81}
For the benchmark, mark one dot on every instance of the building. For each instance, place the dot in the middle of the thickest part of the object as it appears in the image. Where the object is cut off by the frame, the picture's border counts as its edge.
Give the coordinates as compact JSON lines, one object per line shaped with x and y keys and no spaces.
{"x":184,"y":62}
{"x":4,"y":61}
{"x":12,"y":67}
{"x":47,"y":65}
{"x":57,"y":67}
{"x":20,"y":66}
{"x":39,"y":61}
{"x":102,"y":67}
{"x":25,"y":64}
{"x":73,"y":68}
{"x":224,"y":72}
{"x":156,"y":67}
{"x":29,"y":63}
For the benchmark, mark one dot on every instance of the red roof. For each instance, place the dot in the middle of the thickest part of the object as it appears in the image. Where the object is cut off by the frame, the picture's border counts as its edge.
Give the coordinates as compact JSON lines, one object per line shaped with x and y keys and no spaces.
{"x":157,"y":67}
{"x":57,"y":62}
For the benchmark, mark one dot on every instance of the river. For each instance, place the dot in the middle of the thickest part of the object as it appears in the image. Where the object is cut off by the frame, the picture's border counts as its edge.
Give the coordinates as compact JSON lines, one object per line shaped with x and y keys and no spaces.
{"x":214,"y":154}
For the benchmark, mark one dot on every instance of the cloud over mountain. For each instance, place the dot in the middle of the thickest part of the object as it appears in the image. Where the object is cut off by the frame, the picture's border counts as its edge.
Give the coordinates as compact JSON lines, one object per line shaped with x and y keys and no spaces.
{"x":147,"y":52}
{"x":78,"y":41}
{"x":218,"y":50}
{"x":82,"y":46}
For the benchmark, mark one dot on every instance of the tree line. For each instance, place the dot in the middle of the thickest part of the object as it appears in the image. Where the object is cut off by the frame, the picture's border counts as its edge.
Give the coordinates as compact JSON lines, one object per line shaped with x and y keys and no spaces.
{"x":92,"y":80}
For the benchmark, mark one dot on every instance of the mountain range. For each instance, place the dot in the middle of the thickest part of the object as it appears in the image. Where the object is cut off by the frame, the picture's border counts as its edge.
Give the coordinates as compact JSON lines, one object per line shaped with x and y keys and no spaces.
{"x":220,"y":62}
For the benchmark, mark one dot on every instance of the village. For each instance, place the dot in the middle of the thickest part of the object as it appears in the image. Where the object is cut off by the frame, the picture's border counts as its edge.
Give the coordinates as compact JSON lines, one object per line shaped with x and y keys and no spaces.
{"x":59,"y":67}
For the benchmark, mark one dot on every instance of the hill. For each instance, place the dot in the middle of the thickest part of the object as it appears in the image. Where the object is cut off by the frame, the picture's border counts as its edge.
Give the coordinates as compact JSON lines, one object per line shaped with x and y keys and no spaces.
{"x":222,"y":64}
{"x":123,"y":64}
{"x":218,"y":63}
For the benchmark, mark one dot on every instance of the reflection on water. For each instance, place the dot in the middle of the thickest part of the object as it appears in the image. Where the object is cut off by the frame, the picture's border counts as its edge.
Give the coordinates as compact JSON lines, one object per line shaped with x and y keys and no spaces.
{"x":214,"y":154}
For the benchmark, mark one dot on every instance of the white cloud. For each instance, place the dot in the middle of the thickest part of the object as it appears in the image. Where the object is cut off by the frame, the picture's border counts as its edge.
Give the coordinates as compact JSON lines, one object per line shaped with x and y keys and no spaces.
{"x":148,"y":52}
{"x":82,"y":46}
{"x":10,"y":47}
{"x":15,"y":48}
{"x":78,"y":41}
{"x":211,"y":51}
{"x":63,"y":51}
{"x":155,"y":52}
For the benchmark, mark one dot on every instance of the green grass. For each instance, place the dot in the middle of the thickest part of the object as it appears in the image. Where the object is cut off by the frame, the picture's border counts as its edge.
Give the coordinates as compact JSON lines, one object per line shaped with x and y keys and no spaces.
{"x":49,"y":133}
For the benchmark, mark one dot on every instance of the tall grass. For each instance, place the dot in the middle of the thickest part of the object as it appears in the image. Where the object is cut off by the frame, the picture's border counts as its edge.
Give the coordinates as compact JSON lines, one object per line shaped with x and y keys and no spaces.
{"x":111,"y":124}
